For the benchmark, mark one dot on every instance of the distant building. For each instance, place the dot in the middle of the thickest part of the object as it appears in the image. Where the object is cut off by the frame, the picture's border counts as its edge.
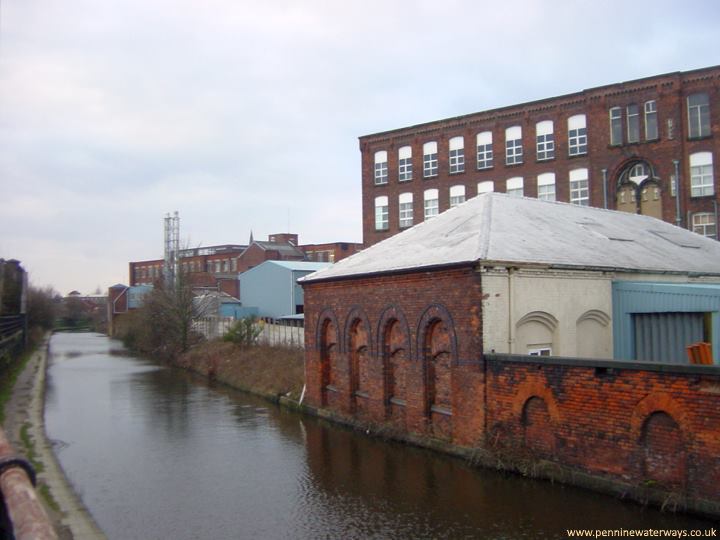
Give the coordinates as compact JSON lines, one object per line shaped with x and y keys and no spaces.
{"x":13,"y":287}
{"x":218,"y":267}
{"x":614,"y":146}
{"x":121,"y":300}
{"x":272,"y":287}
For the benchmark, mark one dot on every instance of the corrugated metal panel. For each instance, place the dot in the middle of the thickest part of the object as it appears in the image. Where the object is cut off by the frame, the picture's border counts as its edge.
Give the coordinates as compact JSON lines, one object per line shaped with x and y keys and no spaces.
{"x":662,"y":337}
{"x":633,"y":298}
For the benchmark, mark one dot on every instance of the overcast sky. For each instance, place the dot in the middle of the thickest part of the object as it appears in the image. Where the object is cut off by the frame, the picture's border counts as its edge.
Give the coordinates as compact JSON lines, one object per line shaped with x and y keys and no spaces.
{"x":245,"y":115}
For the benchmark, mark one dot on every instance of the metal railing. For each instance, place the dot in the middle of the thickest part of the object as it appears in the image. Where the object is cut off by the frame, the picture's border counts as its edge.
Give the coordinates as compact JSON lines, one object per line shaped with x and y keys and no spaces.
{"x":12,"y":334}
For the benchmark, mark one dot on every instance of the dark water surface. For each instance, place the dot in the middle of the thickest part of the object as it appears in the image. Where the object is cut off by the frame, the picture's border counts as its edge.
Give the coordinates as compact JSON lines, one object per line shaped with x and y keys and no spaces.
{"x":156,"y":453}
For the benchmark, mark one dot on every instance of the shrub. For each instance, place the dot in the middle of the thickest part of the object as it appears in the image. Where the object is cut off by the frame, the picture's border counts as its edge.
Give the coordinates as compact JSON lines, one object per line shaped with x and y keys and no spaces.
{"x":244,"y":332}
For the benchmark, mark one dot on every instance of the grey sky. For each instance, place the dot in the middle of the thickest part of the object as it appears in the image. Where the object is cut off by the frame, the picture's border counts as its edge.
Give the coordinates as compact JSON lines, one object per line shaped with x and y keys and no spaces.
{"x":246,"y":115}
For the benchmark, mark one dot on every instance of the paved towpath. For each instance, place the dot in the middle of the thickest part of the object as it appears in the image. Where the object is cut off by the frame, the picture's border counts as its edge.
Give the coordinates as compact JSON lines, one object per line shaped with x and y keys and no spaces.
{"x":26,"y":406}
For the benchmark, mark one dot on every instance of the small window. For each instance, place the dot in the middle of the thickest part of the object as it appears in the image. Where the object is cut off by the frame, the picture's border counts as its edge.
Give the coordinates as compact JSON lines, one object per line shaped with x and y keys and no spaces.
{"x":633,"y":124}
{"x":430,"y":159}
{"x":698,"y":115}
{"x":616,"y":126}
{"x":457,"y":155}
{"x":638,"y":173}
{"x":381,"y":168}
{"x":545,"y":140}
{"x":513,"y":145}
{"x":484,"y":150}
{"x":546,"y":186}
{"x":701,"y":174}
{"x":704,"y":223}
{"x":488,"y":186}
{"x":405,"y":164}
{"x":540,"y":351}
{"x":457,"y":195}
{"x":577,"y":135}
{"x":432,"y":206}
{"x":381,"y":213}
{"x":514,"y":186}
{"x":579,"y":191}
{"x":651,"y":121}
{"x":406,"y":210}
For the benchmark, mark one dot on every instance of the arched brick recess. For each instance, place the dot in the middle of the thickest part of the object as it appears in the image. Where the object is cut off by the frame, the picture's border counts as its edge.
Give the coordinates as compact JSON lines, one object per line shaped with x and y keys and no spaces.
{"x":538,"y":428}
{"x":358,"y":348}
{"x":326,"y":314}
{"x":437,"y":348}
{"x":326,"y":340}
{"x":661,"y":427}
{"x":393,"y":339}
{"x":664,"y":451}
{"x":658,"y":402}
{"x":530,"y":389}
{"x":435,"y":312}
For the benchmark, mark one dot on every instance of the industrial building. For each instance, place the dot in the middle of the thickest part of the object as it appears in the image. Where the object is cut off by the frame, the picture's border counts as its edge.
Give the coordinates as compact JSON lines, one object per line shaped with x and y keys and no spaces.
{"x":646,"y":146}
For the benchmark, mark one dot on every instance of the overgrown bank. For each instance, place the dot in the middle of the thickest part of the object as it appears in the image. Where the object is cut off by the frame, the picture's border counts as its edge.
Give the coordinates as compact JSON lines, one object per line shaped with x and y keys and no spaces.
{"x":272,"y":372}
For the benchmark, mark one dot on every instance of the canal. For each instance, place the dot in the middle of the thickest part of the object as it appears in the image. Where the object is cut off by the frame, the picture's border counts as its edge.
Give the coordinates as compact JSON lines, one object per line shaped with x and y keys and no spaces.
{"x":156,"y":453}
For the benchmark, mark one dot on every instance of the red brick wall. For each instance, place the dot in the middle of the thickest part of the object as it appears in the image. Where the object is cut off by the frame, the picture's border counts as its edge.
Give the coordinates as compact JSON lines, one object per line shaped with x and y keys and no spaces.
{"x":669,"y":91}
{"x":372,"y":339}
{"x":641,"y":426}
{"x":423,"y":328}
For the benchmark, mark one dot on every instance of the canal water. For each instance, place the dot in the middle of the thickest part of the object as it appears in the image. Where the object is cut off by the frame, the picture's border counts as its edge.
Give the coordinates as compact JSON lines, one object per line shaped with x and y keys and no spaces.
{"x":156,"y":453}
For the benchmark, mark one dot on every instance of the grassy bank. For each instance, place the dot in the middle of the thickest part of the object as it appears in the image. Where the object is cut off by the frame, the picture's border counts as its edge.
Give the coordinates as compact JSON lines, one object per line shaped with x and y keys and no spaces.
{"x":268,"y":371}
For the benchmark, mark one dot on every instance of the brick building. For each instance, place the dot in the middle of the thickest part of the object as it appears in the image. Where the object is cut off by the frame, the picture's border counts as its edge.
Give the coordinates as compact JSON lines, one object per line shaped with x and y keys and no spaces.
{"x":490,"y":329}
{"x":218,"y":267}
{"x":619,"y":146}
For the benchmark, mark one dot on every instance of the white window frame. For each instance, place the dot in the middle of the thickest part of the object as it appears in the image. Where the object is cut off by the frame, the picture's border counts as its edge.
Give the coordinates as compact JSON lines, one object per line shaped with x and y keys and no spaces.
{"x":382,"y":214}
{"x":484,"y":150}
{"x":513,"y":146}
{"x":579,"y":187}
{"x":702,"y":181}
{"x":577,"y":135}
{"x":405,"y":171}
{"x":405,"y":205}
{"x":546,"y":186}
{"x":486,"y":186}
{"x":652,"y":131}
{"x":431,"y":203}
{"x":381,"y":167}
{"x":705,"y":224}
{"x":430,"y":159}
{"x":544,"y":140}
{"x":515,"y":186}
{"x":698,"y":116}
{"x":457,"y":195}
{"x":632,"y":113}
{"x":456,"y":147}
{"x":616,"y":130}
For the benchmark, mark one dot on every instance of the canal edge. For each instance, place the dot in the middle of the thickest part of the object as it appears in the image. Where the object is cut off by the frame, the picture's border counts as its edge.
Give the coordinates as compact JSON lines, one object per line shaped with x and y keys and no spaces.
{"x":74,"y":515}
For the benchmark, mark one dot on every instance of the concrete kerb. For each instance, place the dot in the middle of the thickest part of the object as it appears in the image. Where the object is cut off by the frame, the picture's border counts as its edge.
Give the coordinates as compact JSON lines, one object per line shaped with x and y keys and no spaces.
{"x":75,"y":516}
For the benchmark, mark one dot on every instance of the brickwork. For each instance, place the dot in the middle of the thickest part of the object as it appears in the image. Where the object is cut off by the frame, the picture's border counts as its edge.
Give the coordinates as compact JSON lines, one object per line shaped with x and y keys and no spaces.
{"x":669,"y":92}
{"x":384,"y":351}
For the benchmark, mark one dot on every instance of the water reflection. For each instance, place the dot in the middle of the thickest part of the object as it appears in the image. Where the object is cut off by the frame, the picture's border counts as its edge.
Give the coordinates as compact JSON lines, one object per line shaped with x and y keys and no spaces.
{"x":159,"y":453}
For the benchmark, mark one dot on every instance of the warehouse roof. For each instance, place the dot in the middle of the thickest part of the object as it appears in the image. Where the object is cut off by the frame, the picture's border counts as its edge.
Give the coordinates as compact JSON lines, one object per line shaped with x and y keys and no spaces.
{"x":499,"y":228}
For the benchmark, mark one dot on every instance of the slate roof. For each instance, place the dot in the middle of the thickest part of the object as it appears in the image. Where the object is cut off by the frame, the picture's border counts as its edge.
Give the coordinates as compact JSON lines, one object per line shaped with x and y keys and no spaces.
{"x":499,"y":228}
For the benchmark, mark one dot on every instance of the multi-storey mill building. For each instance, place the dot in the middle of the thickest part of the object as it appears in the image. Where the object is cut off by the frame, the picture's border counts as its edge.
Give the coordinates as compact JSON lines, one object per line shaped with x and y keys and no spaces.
{"x":648,"y":146}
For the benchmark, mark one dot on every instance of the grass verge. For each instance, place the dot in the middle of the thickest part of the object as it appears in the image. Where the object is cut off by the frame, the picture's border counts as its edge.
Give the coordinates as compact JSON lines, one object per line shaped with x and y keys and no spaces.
{"x":7,"y":381}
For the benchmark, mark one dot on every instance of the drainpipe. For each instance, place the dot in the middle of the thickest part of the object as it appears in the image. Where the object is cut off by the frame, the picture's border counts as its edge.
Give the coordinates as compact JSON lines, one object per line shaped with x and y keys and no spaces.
{"x":715,"y":206}
{"x":511,"y":337}
{"x":605,"y":197}
{"x":678,"y":216}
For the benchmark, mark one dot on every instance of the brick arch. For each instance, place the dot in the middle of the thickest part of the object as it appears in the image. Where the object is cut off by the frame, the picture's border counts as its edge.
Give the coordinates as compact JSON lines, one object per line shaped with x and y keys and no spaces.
{"x":658,"y":402}
{"x":627,"y":164}
{"x":531,"y":389}
{"x":433,"y":313}
{"x":596,"y":315}
{"x":544,"y":318}
{"x":390,"y":314}
{"x":395,"y":361}
{"x":356,"y":313}
{"x":327,"y":314}
{"x":538,"y":427}
{"x":664,"y":451}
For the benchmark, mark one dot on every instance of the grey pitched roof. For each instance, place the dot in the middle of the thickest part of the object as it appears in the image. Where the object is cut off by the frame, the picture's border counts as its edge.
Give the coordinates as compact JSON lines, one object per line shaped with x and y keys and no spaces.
{"x":495,"y":227}
{"x":284,"y":249}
